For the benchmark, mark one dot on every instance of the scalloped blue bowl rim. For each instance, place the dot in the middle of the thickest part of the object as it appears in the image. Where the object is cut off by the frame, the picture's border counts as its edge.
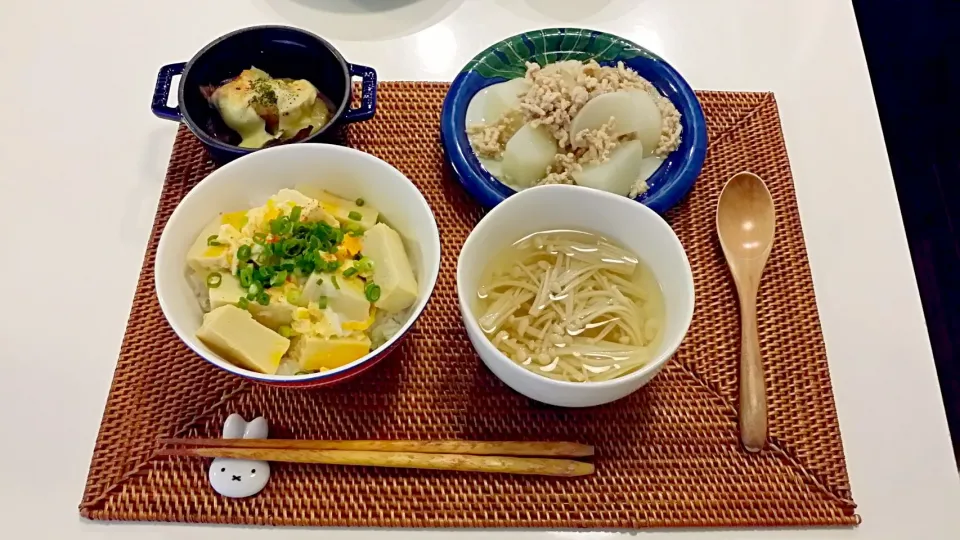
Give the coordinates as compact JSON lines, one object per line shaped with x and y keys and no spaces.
{"x":672,"y":181}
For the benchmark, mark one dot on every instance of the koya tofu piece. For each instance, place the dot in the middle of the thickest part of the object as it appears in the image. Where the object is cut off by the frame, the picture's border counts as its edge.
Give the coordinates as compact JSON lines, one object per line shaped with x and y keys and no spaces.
{"x":391,"y":268}
{"x":288,"y":198}
{"x":232,"y":333}
{"x":314,"y":353}
{"x":277,"y":313}
{"x":348,"y":301}
{"x":341,"y":209}
{"x":229,"y":291}
{"x":310,"y":209}
{"x":203,"y":257}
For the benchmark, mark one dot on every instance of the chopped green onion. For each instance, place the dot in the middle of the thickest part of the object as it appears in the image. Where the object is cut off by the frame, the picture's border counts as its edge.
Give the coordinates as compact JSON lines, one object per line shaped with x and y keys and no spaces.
{"x":306,"y":265}
{"x":323,"y":232}
{"x":306,"y":372}
{"x":364,"y":265}
{"x":263,"y":299}
{"x":214,"y":280}
{"x":243,"y":252}
{"x":293,"y":297}
{"x":354,"y":215}
{"x":279,"y":278}
{"x":255,"y":288}
{"x":322,"y":302}
{"x":295,"y":214}
{"x":246,"y":276}
{"x":353,"y":229}
{"x":293,"y":248}
{"x":243,"y":303}
{"x":260,"y":238}
{"x":360,"y":202}
{"x":285,"y":331}
{"x":274,"y":248}
{"x":280,"y":226}
{"x":212,"y":240}
{"x":333,"y":279}
{"x":372,"y":292}
{"x":350,"y":272}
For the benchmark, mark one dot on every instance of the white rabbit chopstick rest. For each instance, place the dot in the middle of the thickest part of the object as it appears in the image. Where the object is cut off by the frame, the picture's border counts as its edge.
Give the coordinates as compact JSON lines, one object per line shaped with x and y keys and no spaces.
{"x":237,"y":478}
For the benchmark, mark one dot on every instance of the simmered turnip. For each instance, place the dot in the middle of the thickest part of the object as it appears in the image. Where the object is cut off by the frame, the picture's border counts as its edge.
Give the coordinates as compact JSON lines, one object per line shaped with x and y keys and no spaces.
{"x":528,"y":154}
{"x":493,"y":166}
{"x":568,"y":70}
{"x":599,"y":110}
{"x":489,"y":104}
{"x":618,"y":173}
{"x":633,"y":112}
{"x":649,"y":166}
{"x":650,"y":126}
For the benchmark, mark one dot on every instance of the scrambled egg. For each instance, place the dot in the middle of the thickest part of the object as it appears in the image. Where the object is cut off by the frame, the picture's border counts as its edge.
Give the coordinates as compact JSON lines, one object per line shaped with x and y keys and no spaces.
{"x":361,"y":325}
{"x":350,"y":247}
{"x":259,"y":218}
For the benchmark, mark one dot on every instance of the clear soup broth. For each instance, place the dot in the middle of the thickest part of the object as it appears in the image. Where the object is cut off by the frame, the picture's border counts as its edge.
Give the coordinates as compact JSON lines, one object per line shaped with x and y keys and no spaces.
{"x":572,"y":306}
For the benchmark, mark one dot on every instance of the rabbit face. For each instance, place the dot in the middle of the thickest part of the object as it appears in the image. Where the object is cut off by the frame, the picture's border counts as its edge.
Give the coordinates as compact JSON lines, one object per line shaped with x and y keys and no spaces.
{"x":239,"y":477}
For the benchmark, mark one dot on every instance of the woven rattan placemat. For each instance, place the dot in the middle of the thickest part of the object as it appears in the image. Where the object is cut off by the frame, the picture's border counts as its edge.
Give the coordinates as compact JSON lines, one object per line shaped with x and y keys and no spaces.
{"x":668,"y":456}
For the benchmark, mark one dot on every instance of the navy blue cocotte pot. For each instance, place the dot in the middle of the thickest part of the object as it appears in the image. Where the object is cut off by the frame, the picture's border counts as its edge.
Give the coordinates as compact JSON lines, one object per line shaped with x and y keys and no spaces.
{"x":281,"y":51}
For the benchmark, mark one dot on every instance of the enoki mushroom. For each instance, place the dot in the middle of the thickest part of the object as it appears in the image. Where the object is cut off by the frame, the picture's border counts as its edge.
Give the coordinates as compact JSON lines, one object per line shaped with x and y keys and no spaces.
{"x":571,"y":306}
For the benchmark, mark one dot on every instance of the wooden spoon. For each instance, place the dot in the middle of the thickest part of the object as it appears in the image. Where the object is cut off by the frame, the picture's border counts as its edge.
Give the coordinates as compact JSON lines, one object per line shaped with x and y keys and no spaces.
{"x":745,"y":224}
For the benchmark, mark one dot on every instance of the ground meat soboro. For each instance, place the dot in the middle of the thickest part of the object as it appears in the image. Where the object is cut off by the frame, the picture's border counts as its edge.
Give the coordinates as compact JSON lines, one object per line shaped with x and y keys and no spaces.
{"x":555,"y":95}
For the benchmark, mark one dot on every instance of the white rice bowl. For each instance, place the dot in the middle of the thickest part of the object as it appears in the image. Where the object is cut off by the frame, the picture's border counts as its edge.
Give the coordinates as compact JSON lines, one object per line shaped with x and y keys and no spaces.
{"x":248,"y":182}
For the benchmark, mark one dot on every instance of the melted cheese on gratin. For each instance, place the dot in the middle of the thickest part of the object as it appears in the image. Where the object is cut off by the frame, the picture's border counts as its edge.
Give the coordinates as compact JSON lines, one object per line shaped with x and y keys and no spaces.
{"x":260,"y":108}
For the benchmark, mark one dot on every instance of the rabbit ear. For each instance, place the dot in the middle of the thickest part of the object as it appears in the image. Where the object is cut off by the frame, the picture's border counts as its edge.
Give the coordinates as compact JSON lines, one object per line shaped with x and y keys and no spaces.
{"x":256,"y":429}
{"x":234,"y":426}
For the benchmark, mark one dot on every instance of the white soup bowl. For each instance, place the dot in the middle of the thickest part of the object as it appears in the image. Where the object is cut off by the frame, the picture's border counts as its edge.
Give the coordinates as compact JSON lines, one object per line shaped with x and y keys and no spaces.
{"x":622,"y":220}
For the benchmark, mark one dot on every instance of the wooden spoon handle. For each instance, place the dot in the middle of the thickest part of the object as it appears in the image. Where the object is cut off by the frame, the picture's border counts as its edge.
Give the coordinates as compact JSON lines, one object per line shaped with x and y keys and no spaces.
{"x":753,"y":391}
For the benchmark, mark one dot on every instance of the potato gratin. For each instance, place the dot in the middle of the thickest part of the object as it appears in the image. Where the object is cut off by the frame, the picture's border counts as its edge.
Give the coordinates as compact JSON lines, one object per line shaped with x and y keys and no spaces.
{"x":264,"y":111}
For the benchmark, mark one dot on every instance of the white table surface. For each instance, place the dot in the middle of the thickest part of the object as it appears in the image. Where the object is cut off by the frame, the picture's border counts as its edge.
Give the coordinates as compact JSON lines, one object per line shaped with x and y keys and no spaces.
{"x":82,"y":162}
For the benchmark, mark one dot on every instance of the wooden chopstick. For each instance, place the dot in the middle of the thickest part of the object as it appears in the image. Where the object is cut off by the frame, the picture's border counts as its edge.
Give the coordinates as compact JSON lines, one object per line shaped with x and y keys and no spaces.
{"x":414,"y":460}
{"x":478,"y":448}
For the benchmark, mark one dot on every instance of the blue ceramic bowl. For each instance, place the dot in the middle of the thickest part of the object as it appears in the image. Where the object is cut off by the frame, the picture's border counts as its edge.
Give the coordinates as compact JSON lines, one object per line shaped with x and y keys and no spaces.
{"x":506,"y":60}
{"x":281,"y":51}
